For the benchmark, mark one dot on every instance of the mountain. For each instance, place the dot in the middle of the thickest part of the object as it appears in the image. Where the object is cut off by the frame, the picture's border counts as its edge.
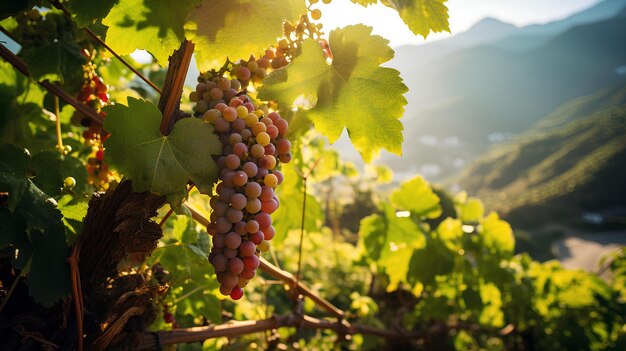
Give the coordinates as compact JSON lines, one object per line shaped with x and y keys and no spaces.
{"x":485,"y":31}
{"x":571,"y":161}
{"x":535,"y":35}
{"x":460,"y":103}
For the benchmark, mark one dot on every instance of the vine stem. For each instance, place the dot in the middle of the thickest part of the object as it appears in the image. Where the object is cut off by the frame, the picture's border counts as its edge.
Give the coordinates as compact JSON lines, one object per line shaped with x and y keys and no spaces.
{"x":304,"y":191}
{"x":10,"y":292}
{"x":60,"y":6}
{"x":58,"y":123}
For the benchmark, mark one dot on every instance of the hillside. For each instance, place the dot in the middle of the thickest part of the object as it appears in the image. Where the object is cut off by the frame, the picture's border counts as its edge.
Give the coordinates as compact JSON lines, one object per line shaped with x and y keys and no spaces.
{"x":572,"y":161}
{"x":481,"y":94}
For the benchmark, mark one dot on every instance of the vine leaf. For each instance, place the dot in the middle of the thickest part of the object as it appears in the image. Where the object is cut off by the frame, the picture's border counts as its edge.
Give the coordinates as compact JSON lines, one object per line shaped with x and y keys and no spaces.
{"x":421,"y":16}
{"x":237,"y":28}
{"x":58,"y":61}
{"x":497,"y":234}
{"x":416,"y":196}
{"x":153,"y":25}
{"x":390,"y":242}
{"x":353,"y":92}
{"x":157,"y":163}
{"x":86,"y":12}
{"x":34,"y":229}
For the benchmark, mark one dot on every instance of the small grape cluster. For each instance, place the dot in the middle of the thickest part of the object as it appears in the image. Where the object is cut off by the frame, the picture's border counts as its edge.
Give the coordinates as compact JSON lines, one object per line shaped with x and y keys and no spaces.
{"x":254,"y":145}
{"x":93,"y":93}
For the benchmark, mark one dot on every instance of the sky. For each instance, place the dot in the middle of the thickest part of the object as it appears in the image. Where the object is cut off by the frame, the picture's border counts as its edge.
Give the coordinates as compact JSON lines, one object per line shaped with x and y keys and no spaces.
{"x":463,"y":14}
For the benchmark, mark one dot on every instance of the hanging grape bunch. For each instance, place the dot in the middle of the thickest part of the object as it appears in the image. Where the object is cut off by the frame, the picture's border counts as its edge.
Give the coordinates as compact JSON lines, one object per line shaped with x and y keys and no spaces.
{"x":254,"y":145}
{"x":93,"y":93}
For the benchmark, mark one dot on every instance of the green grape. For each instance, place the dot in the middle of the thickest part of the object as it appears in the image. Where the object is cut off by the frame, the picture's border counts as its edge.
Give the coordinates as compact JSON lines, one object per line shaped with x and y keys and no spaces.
{"x":69,"y":182}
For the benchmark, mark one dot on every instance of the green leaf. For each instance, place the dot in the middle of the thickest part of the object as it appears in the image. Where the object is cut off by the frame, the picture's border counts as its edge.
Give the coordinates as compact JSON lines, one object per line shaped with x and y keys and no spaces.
{"x":153,"y":25}
{"x":497,"y":234}
{"x":390,"y":241}
{"x":25,"y":198}
{"x":86,"y":12}
{"x":472,"y":211}
{"x":415,"y":195}
{"x":160,"y":164}
{"x":353,"y":92}
{"x":421,"y":16}
{"x":237,"y":28}
{"x":450,"y":233}
{"x":184,"y":229}
{"x":74,"y":211}
{"x":58,"y":61}
{"x":49,"y":276}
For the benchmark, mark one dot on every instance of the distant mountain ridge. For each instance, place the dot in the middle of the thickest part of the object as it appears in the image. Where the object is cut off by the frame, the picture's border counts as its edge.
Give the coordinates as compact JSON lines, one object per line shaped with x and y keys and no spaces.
{"x":474,"y":92}
{"x":573,"y":160}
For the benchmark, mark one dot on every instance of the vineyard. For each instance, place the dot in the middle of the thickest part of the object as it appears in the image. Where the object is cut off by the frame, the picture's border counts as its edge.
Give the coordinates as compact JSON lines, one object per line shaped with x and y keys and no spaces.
{"x":137,"y":213}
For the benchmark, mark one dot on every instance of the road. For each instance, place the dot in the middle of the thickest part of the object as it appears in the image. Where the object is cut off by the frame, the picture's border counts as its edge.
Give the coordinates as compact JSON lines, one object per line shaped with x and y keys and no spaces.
{"x":585,"y":250}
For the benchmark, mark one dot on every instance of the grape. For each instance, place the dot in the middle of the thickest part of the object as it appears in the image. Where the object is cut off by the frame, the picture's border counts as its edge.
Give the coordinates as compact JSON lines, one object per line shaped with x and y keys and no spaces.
{"x":247,"y":248}
{"x":219,"y":262}
{"x":242,"y":112}
{"x":251,"y":262}
{"x":264,"y":246}
{"x":270,"y":180}
{"x":234,"y":215}
{"x":257,"y":237}
{"x":239,"y":149}
{"x":316,"y":14}
{"x":236,"y":293}
{"x":251,"y":169}
{"x":263,"y":139}
{"x":238,"y":201}
{"x":235,"y":265}
{"x":283,"y":146}
{"x":240,"y":178}
{"x":230,"y":253}
{"x":230,"y":114}
{"x":232,"y":161}
{"x":258,"y":127}
{"x":257,"y":151}
{"x":70,"y":182}
{"x":254,"y":206}
{"x":253,"y":190}
{"x":252,"y":226}
{"x":218,"y":240}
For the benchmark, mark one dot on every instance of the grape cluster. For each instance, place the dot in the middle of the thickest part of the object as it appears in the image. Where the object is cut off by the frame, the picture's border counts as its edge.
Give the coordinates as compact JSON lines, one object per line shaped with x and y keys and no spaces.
{"x":93,"y":93}
{"x":254,"y":145}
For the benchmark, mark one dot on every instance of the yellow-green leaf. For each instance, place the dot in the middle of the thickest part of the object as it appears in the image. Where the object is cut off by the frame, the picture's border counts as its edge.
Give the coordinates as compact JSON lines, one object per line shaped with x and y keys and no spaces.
{"x":157,"y":163}
{"x":153,"y":25}
{"x":352,"y":93}
{"x":237,"y":28}
{"x":416,"y":196}
{"x":497,"y":234}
